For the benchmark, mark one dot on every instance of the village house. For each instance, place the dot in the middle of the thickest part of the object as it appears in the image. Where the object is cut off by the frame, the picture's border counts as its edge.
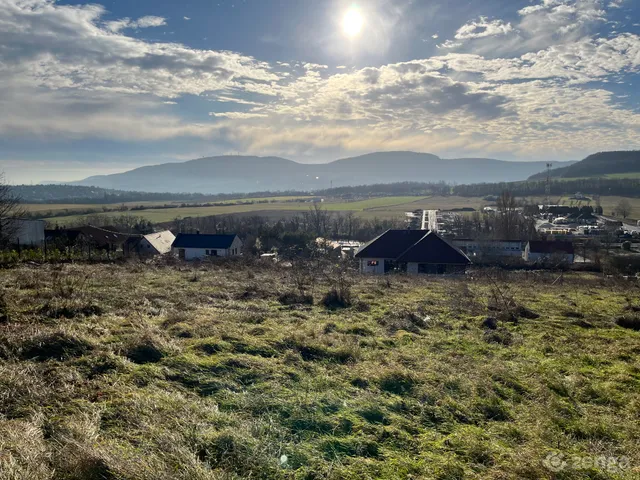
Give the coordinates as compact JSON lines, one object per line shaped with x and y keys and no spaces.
{"x":539,"y":251}
{"x":413,"y":251}
{"x":158,"y":243}
{"x":489,"y":249}
{"x":198,"y":246}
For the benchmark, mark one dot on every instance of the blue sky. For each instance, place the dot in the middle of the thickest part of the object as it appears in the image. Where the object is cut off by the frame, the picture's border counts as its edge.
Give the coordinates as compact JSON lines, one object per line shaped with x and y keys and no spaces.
{"x":92,"y":88}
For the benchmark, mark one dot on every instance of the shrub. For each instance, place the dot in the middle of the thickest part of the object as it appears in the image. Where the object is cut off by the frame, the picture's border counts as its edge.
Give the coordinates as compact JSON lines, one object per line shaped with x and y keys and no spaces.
{"x":490,"y":323}
{"x":58,"y":345}
{"x":337,"y":298}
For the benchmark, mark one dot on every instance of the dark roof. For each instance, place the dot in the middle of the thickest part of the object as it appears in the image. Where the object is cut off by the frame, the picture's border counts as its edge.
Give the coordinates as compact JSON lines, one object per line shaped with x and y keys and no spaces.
{"x":432,"y":248}
{"x":62,"y":234}
{"x":196,"y":240}
{"x":540,"y":246}
{"x":101,"y":236}
{"x":391,"y":244}
{"x":413,"y":246}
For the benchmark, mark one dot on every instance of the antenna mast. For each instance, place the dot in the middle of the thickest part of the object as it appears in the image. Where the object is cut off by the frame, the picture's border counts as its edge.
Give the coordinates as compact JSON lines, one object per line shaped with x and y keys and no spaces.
{"x":548,"y":186}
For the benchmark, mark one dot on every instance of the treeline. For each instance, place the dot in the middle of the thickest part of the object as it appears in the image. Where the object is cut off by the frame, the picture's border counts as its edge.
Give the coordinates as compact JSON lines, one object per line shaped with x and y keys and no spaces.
{"x":387,"y":189}
{"x":262,"y":234}
{"x":75,"y":194}
{"x":626,"y":187}
{"x":71,"y":194}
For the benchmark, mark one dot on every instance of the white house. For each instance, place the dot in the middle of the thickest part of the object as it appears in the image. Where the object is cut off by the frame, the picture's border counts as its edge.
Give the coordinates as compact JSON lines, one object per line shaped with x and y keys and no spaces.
{"x":544,"y":251}
{"x":489,"y":248}
{"x":198,"y":247}
{"x":27,"y":233}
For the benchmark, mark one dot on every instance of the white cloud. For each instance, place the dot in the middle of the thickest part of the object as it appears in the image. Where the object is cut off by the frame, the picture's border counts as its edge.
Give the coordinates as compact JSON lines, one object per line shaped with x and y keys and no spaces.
{"x":483,"y":28}
{"x":521,"y":89}
{"x":551,"y":22}
{"x":143,"y":22}
{"x":187,"y":18}
{"x":238,"y":115}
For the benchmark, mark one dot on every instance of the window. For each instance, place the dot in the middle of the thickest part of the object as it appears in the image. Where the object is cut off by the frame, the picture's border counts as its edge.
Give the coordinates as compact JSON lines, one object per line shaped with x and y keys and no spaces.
{"x":372,"y":263}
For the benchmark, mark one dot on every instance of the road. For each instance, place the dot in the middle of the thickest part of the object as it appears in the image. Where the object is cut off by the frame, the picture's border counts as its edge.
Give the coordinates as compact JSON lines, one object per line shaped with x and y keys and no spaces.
{"x":627,"y":226}
{"x":433,"y":220}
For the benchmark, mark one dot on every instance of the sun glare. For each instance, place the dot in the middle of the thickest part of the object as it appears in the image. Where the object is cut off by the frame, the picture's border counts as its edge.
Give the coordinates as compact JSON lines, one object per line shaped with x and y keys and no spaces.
{"x":352,"y":22}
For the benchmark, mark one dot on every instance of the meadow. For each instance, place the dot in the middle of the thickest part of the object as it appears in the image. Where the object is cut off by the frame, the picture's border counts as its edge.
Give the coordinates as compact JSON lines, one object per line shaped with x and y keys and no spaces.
{"x":247,"y":370}
{"x":391,"y":207}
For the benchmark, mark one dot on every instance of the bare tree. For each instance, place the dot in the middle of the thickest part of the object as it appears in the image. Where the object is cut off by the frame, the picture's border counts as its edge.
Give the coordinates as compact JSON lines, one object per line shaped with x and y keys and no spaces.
{"x":317,"y":220}
{"x":624,"y":208}
{"x":10,"y":209}
{"x":507,"y":215}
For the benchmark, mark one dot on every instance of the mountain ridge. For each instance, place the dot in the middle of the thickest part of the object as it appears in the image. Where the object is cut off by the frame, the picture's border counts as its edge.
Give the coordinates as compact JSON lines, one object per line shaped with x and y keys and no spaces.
{"x":234,"y":173}
{"x":598,"y":165}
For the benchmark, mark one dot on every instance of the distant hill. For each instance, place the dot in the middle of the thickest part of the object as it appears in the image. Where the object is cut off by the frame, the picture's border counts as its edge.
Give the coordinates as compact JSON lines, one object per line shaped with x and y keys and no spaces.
{"x":227,"y":174}
{"x":603,"y":164}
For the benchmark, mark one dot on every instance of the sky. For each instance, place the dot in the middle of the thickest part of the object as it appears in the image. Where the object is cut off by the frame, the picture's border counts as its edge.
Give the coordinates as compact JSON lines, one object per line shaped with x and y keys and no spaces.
{"x":95,"y":88}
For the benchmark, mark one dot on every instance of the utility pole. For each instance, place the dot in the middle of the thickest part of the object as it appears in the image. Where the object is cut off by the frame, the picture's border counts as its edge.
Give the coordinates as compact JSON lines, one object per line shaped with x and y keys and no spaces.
{"x":548,"y":186}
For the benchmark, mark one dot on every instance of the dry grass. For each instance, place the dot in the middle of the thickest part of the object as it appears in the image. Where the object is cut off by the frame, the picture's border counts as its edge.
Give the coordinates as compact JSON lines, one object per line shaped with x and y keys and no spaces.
{"x":151,"y":375}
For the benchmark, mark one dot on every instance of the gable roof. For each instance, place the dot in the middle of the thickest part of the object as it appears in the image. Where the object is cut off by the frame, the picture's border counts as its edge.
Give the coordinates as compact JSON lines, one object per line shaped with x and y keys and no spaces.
{"x":391,"y":244}
{"x":196,"y":240}
{"x":541,"y":246}
{"x":432,"y":248}
{"x":413,"y":246}
{"x":103,"y":237}
{"x":161,"y":241}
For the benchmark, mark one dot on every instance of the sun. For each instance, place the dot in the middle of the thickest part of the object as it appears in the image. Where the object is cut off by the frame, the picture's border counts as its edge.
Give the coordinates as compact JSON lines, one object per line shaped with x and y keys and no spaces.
{"x":352,"y":22}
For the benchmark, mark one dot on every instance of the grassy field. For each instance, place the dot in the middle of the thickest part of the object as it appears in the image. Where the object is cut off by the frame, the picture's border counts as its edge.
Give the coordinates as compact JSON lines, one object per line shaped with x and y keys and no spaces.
{"x":382,"y":207}
{"x":212,"y":372}
{"x":44,"y":208}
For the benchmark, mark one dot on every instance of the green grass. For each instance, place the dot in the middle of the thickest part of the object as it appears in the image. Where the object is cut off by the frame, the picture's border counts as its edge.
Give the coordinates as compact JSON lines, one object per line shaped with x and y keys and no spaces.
{"x":164,"y":372}
{"x":382,"y":207}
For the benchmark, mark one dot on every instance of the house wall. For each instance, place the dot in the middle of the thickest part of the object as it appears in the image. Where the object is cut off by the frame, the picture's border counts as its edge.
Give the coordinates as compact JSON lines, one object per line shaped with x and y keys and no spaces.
{"x":145,"y":248}
{"x":201,"y":253}
{"x":540,"y":257}
{"x":29,"y":233}
{"x":414,"y":268}
{"x":365,"y":266}
{"x":236,"y":246}
{"x":489,"y":248}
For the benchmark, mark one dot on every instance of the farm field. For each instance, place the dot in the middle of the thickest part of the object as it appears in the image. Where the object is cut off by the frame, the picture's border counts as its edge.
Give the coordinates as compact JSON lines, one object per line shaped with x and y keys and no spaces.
{"x":380,"y":207}
{"x":74,"y":207}
{"x":151,"y":371}
{"x":384,"y":207}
